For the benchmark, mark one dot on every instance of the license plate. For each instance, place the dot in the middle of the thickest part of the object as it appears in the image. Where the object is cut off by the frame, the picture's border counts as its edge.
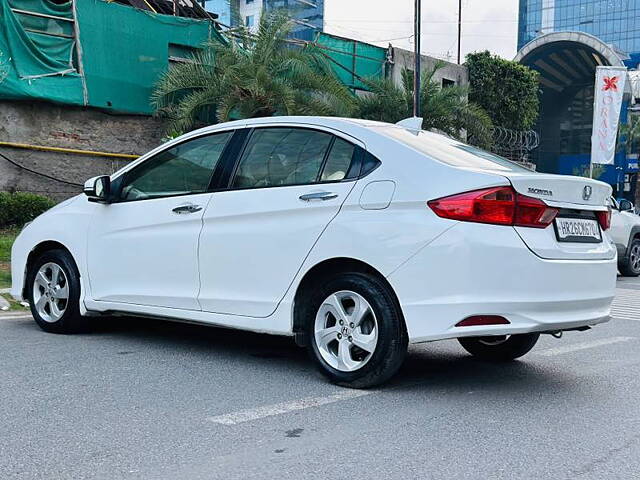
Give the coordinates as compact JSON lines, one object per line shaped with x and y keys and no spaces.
{"x":577,"y":230}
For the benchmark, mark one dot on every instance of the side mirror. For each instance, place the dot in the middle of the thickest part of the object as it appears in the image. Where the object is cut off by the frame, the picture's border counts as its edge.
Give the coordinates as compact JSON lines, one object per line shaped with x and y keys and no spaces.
{"x":626,"y":206}
{"x":98,"y":189}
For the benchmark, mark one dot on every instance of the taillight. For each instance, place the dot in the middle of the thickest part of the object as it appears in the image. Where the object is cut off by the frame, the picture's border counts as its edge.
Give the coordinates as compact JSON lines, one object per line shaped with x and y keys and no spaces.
{"x":604,"y":219}
{"x":498,"y":206}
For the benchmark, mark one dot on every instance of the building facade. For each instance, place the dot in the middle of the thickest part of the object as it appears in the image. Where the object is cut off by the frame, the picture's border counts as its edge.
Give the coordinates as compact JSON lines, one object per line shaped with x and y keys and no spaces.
{"x":308,"y":15}
{"x":615,"y":22}
{"x":564,"y":41}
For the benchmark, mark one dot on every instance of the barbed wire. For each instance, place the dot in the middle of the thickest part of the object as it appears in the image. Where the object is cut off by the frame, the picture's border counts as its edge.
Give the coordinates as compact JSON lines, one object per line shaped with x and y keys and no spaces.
{"x":515,"y":145}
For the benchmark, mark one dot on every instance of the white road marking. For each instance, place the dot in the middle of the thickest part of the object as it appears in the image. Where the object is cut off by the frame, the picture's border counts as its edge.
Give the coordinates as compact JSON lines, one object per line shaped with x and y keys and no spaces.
{"x":242,"y":416}
{"x":626,"y":304}
{"x":14,"y":316}
{"x":582,"y":346}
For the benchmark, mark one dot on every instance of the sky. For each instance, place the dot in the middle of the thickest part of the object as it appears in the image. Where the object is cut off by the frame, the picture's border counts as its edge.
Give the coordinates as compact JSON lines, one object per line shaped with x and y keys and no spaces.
{"x":486,"y":24}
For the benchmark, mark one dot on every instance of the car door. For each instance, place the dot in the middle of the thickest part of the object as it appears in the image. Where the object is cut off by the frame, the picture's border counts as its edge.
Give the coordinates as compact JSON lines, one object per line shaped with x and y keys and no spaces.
{"x":288,"y":184}
{"x":143,"y":247}
{"x":622,"y":223}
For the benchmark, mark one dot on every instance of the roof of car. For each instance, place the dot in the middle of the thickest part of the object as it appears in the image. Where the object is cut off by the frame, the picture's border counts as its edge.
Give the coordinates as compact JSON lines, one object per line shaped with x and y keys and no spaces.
{"x":315,"y":120}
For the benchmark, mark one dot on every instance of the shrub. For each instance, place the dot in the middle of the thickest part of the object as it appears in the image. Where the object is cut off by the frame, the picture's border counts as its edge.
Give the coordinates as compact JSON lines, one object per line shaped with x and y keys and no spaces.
{"x":18,"y":208}
{"x":506,"y":90}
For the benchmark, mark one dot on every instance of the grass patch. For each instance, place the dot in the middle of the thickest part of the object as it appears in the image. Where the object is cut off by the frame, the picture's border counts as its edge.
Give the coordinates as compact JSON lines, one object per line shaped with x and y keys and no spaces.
{"x":7,"y":237}
{"x":13,"y":305}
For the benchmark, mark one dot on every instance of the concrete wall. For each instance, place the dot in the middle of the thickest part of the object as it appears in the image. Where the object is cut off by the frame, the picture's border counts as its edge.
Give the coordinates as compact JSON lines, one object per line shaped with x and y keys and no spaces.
{"x":46,"y":124}
{"x":405,"y":59}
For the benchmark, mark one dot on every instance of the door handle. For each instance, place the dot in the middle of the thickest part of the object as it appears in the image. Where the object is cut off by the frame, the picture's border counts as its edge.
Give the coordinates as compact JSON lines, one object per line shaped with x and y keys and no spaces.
{"x":310,"y":197}
{"x":188,"y":208}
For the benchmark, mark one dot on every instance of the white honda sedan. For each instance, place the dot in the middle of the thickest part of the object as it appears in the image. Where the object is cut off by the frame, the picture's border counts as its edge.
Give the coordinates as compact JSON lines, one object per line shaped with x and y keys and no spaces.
{"x":355,"y":237}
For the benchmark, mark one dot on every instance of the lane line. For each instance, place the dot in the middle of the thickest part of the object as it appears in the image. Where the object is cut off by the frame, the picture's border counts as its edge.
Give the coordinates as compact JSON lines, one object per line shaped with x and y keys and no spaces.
{"x":15,"y":316}
{"x":626,"y":304}
{"x":248,"y":415}
{"x":583,"y":346}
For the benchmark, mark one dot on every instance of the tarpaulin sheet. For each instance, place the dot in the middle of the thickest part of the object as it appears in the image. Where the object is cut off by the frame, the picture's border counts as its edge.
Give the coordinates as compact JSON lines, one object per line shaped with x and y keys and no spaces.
{"x":123,"y":52}
{"x":35,"y":65}
{"x":352,"y":60}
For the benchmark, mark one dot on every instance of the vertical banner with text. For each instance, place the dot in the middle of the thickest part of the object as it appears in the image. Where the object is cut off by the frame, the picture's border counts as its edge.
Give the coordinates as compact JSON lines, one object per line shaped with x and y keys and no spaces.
{"x":607,"y":101}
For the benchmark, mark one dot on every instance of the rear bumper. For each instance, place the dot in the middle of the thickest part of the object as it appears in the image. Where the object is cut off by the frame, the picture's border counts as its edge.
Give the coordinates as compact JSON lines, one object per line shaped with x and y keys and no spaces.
{"x":476,"y":269}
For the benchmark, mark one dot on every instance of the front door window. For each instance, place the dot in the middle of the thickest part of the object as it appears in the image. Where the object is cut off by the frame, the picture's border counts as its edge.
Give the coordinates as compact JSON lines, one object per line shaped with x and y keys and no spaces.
{"x":184,"y":169}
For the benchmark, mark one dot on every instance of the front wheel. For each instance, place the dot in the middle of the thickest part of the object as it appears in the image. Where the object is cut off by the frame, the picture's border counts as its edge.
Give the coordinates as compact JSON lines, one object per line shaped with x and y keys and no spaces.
{"x":500,"y":348}
{"x":356,"y":330}
{"x":53,"y":283}
{"x":629,"y":265}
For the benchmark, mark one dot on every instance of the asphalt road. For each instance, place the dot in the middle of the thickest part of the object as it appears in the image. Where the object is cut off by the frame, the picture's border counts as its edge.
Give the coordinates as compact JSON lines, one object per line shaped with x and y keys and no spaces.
{"x":140,"y":399}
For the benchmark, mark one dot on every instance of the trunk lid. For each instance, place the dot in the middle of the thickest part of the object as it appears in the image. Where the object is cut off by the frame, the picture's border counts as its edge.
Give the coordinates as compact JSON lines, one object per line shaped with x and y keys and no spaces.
{"x":585,"y":193}
{"x":576,"y":197}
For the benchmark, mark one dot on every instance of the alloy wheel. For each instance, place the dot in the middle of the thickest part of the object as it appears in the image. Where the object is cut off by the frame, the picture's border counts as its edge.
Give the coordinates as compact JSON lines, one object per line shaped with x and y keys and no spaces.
{"x":634,"y":257}
{"x":346,"y":331}
{"x":50,"y":292}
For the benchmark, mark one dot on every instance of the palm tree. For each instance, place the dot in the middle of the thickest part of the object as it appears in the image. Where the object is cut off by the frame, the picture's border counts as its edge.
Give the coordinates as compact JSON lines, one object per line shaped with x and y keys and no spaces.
{"x":265,"y":76}
{"x":444,"y":109}
{"x":631,"y":132}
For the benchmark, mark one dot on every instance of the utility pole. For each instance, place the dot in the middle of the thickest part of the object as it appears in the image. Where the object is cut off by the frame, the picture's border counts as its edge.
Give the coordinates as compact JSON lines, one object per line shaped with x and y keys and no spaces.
{"x":459,"y":28}
{"x":416,"y":71}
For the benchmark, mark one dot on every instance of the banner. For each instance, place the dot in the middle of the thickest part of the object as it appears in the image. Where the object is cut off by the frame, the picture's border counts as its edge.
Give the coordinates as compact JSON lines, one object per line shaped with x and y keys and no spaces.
{"x":609,"y":89}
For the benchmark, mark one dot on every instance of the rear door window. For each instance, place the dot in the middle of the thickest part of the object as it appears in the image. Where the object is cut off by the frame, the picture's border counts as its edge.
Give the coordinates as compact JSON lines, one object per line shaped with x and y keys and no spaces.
{"x":281,"y":156}
{"x":338,"y":161}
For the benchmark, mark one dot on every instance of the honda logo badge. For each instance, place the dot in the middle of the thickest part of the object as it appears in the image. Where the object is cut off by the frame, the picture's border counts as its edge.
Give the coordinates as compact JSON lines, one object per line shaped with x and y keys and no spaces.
{"x":586,"y":192}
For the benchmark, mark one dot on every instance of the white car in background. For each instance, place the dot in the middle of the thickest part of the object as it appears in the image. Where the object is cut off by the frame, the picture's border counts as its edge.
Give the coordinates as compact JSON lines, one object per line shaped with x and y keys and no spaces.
{"x":625,"y":234}
{"x":355,"y":237}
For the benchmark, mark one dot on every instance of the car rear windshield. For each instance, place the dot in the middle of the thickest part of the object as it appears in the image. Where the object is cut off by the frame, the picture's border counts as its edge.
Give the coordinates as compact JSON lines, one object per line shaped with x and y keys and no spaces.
{"x":450,"y":151}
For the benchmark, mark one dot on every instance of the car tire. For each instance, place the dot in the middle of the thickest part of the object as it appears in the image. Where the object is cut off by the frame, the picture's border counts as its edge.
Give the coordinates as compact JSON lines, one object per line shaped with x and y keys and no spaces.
{"x":629,"y":265}
{"x":53,"y":290}
{"x":372,"y":321}
{"x":499,"y":348}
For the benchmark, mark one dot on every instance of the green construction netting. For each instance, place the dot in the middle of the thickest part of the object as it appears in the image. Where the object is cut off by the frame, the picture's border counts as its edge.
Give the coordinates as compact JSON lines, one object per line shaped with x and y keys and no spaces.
{"x":353,"y":60}
{"x":123,"y":51}
{"x":34,"y":64}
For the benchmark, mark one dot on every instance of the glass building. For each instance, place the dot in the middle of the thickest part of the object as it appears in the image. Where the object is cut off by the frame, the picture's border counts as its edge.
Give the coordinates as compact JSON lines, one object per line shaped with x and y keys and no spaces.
{"x":566,"y":62}
{"x":308,"y":15}
{"x":222,"y":8}
{"x":564,"y":41}
{"x":615,"y":22}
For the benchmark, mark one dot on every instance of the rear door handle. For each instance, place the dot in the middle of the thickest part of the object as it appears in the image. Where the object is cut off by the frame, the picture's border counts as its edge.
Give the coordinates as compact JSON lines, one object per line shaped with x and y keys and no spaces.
{"x":188,"y":208}
{"x":310,"y":197}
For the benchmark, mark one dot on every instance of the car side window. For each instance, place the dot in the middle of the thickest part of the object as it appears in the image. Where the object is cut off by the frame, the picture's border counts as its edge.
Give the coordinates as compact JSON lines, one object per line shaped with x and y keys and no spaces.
{"x":183,"y":169}
{"x":282,"y":156}
{"x":338,"y":161}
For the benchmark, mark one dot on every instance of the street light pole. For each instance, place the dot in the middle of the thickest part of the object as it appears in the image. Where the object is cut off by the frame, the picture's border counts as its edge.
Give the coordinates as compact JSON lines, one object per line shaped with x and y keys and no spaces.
{"x":459,"y":28}
{"x":416,"y":71}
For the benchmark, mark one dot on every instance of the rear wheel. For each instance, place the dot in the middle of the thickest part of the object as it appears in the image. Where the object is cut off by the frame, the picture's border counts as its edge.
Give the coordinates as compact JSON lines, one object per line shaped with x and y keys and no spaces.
{"x":629,"y":265}
{"x":500,"y":348}
{"x":356,"y":331}
{"x":54,"y":293}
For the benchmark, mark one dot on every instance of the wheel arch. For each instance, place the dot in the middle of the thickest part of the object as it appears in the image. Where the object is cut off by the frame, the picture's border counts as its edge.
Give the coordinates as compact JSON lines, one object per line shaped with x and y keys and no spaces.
{"x":38,"y":250}
{"x":321,"y":270}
